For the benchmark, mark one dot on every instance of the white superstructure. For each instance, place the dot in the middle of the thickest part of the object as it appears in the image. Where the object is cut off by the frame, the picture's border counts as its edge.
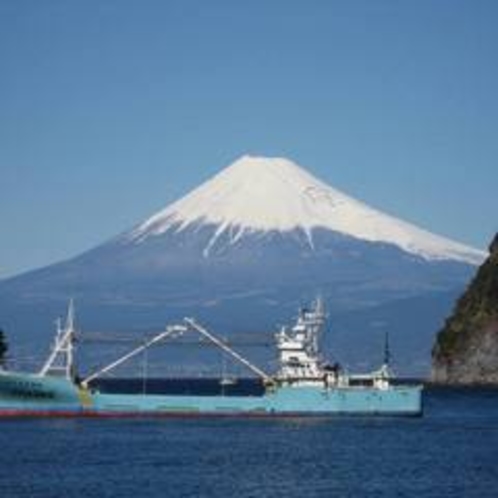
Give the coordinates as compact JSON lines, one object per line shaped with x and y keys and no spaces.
{"x":298,"y":348}
{"x":300,"y":362}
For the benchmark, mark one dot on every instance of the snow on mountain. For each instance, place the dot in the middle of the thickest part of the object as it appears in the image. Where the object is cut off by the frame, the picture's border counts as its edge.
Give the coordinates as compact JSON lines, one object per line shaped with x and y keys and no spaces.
{"x":258,"y":194}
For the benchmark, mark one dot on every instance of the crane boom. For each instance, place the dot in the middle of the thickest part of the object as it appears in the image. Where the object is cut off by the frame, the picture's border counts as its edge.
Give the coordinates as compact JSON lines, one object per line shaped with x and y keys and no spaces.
{"x":228,"y":349}
{"x":170,"y":330}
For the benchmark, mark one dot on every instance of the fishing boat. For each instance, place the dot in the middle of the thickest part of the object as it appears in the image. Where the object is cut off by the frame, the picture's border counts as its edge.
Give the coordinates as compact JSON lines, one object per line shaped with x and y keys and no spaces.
{"x":304,"y":384}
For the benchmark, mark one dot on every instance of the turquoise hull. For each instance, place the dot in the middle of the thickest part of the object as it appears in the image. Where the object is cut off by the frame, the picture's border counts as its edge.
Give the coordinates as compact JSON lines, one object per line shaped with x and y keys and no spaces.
{"x":31,"y":395}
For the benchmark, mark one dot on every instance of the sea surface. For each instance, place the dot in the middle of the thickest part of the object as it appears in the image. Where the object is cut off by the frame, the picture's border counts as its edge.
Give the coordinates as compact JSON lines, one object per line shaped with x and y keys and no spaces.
{"x":452,"y":451}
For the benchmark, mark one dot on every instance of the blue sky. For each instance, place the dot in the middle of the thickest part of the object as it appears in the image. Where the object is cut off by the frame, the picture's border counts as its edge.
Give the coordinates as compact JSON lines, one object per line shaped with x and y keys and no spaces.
{"x":109,"y":110}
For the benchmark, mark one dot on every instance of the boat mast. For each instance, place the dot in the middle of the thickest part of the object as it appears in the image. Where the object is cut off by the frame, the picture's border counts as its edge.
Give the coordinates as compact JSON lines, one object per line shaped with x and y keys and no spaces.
{"x":61,"y":359}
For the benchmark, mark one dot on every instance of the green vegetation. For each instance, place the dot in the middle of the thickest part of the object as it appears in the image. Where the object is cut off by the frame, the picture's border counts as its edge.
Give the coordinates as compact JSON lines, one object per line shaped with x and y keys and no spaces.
{"x":4,"y":347}
{"x":475,"y":309}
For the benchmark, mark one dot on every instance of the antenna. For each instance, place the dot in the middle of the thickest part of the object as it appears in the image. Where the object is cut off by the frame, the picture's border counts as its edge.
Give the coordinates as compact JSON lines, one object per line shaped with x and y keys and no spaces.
{"x":70,"y":315}
{"x":387,"y":352}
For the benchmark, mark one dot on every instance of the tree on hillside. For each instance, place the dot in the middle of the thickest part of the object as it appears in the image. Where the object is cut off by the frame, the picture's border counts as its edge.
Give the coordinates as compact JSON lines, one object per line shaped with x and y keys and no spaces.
{"x":3,"y":349}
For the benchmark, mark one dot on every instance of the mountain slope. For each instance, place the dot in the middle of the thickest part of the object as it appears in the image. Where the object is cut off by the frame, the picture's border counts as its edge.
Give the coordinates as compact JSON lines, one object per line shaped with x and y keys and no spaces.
{"x":243,"y":251}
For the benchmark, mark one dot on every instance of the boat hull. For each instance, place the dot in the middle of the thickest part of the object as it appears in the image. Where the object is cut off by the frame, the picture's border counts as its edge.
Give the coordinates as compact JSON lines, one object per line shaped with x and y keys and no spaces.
{"x":31,"y":395}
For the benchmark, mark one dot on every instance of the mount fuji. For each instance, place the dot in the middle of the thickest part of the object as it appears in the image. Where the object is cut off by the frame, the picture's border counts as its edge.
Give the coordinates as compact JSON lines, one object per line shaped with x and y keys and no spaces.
{"x":247,"y":247}
{"x":258,"y":195}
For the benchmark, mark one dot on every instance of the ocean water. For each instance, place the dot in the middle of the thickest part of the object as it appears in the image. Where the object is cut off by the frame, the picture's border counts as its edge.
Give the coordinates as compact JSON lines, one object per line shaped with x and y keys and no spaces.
{"x":450,"y":452}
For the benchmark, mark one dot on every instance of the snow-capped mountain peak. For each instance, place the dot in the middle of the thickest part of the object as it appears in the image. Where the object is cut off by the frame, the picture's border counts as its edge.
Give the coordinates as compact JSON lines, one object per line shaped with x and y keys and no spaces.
{"x":258,"y":194}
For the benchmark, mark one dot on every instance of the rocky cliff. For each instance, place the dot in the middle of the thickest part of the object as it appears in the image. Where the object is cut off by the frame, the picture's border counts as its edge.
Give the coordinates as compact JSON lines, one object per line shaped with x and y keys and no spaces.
{"x":466,"y":349}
